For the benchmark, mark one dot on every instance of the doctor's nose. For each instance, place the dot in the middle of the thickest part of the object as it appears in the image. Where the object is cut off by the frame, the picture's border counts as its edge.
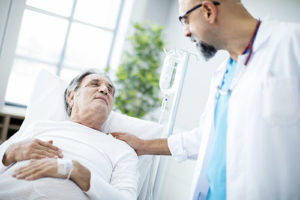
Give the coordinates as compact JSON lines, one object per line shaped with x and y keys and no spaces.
{"x":186,"y":31}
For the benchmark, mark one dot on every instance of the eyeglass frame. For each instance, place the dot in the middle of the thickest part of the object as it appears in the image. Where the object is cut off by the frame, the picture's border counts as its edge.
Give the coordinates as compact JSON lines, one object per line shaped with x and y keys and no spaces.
{"x":192,"y":9}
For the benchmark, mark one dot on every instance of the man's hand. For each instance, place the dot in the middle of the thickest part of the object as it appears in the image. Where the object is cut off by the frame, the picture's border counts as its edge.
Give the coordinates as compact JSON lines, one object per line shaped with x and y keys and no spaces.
{"x":142,"y":147}
{"x":46,"y":167}
{"x":136,"y":143}
{"x":30,"y":149}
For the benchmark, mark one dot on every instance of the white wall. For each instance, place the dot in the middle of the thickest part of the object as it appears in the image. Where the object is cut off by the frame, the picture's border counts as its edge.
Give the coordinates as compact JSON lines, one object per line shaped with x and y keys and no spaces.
{"x":287,"y":10}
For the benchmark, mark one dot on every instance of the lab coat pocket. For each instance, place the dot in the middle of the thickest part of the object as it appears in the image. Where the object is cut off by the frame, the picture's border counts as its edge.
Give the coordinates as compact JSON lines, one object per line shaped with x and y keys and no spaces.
{"x":281,"y":100}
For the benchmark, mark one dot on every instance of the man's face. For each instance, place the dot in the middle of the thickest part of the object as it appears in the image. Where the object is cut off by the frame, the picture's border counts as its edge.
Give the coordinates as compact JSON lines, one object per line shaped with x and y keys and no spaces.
{"x":95,"y":94}
{"x":194,"y":27}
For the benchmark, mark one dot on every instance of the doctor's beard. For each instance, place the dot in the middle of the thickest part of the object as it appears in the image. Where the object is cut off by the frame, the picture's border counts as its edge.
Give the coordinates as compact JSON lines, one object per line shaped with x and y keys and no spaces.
{"x":208,"y":51}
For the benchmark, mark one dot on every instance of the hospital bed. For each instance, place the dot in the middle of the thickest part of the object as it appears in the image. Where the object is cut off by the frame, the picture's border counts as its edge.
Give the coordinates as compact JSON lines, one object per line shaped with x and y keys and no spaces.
{"x":47,"y":103}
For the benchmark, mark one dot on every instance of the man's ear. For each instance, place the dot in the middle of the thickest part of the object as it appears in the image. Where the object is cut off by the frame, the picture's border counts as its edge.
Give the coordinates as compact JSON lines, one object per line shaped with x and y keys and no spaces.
{"x":71,"y":98}
{"x":209,"y":11}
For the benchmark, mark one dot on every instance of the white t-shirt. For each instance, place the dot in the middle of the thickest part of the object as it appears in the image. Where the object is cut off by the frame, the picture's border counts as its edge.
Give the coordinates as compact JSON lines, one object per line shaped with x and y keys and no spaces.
{"x":112,"y":163}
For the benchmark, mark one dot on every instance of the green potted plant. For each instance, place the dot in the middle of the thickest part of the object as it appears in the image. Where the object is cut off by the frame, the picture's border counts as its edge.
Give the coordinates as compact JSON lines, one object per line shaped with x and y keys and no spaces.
{"x":138,"y":74}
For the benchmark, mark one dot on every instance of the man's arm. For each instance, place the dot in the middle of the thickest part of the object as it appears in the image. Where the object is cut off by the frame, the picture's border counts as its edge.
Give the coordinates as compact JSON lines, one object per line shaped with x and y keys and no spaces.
{"x":181,"y":146}
{"x":155,"y":147}
{"x":30,"y":149}
{"x":143,"y":147}
{"x":47,"y":167}
{"x":123,"y":182}
{"x":81,"y":176}
{"x":4,"y":146}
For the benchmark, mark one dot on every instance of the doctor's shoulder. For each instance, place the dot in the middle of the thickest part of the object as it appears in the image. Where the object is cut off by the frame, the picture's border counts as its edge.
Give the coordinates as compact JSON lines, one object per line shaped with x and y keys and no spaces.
{"x":284,"y":46}
{"x":287,"y":34}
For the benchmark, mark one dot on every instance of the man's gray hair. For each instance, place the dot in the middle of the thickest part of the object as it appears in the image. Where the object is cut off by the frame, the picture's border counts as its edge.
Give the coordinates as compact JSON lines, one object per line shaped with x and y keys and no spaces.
{"x":75,"y":84}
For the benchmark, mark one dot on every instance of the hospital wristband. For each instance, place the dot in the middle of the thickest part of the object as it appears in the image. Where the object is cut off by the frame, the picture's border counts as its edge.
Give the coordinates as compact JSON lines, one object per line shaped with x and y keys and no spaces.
{"x":65,"y":167}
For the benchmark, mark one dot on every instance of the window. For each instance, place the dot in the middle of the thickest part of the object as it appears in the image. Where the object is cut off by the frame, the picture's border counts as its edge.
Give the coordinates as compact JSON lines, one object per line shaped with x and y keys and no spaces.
{"x":63,"y":37}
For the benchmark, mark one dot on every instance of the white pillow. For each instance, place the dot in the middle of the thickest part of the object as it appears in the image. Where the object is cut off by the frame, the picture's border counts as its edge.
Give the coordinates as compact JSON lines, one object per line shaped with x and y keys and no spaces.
{"x":47,"y":103}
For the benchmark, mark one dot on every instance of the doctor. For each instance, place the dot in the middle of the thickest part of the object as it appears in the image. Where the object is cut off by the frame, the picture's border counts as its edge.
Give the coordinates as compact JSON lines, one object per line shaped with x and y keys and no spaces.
{"x":248,"y":141}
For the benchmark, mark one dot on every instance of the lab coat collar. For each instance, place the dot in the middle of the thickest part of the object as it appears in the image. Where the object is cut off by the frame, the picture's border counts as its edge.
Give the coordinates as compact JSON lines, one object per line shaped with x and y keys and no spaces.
{"x":264,"y":32}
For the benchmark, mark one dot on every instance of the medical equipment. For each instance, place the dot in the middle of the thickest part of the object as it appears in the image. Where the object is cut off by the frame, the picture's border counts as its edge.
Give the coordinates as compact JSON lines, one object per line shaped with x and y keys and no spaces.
{"x":170,"y":75}
{"x":171,"y":81}
{"x":170,"y":71}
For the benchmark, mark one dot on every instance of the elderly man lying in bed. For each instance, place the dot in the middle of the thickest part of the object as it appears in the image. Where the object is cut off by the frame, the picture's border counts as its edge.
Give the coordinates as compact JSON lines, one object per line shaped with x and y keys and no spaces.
{"x":38,"y":162}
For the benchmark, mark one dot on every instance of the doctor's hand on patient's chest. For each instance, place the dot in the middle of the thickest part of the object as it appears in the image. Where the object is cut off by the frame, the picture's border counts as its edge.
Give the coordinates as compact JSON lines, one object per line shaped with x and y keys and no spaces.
{"x":133,"y":141}
{"x":30,"y":149}
{"x":142,"y":147}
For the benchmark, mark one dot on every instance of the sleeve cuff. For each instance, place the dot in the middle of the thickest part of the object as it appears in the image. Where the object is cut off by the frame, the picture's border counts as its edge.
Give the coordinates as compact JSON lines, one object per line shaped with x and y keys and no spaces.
{"x":99,"y":189}
{"x":91,"y":192}
{"x":176,"y":147}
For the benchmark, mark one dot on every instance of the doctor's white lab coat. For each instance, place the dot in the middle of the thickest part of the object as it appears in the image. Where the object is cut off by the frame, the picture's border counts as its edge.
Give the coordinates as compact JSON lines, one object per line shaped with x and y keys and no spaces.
{"x":263,"y":135}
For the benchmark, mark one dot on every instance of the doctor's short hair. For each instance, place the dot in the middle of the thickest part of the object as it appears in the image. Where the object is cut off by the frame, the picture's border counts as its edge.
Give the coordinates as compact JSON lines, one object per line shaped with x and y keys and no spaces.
{"x":75,"y":84}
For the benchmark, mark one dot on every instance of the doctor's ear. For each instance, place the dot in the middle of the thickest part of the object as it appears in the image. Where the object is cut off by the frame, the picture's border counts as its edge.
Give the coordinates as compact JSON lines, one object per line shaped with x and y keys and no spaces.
{"x":209,"y":11}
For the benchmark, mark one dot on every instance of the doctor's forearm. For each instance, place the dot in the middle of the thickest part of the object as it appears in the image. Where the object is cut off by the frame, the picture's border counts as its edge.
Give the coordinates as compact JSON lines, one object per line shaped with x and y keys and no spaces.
{"x":156,"y":147}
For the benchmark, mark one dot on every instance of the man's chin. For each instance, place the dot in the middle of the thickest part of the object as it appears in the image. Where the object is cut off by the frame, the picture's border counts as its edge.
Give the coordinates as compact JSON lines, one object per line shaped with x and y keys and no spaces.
{"x":207,"y":51}
{"x":101,"y":107}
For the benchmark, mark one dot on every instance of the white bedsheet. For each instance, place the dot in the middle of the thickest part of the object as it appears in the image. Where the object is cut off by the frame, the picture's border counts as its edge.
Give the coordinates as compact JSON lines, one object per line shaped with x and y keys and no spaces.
{"x":45,"y":188}
{"x":112,"y":163}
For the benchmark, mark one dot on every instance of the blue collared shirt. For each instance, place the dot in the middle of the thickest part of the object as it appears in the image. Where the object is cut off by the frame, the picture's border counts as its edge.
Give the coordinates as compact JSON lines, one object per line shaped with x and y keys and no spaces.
{"x":216,"y":169}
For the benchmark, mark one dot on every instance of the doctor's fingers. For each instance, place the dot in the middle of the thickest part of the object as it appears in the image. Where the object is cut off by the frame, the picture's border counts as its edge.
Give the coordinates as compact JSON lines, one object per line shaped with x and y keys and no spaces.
{"x":132,"y":140}
{"x":123,"y":136}
{"x":117,"y":134}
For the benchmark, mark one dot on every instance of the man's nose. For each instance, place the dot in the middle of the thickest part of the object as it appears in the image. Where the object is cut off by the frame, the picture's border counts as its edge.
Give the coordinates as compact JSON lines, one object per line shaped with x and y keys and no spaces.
{"x":186,"y":31}
{"x":103,"y":89}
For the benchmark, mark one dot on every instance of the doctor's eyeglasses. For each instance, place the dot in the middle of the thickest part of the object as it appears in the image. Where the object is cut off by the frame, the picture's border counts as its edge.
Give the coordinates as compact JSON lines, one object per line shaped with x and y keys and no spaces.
{"x":184,"y":18}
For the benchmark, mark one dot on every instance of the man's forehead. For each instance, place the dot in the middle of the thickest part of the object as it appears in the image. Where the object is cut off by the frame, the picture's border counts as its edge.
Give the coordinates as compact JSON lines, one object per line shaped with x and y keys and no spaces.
{"x":92,"y":77}
{"x":185,"y":5}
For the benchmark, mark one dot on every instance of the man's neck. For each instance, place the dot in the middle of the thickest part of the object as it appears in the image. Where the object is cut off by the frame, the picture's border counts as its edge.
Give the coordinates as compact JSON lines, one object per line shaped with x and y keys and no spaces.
{"x":94,"y":121}
{"x":239,"y":36}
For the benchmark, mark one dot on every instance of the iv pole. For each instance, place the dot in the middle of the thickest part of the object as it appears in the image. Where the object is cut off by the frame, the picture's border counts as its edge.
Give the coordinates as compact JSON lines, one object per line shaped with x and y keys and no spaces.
{"x":171,"y":122}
